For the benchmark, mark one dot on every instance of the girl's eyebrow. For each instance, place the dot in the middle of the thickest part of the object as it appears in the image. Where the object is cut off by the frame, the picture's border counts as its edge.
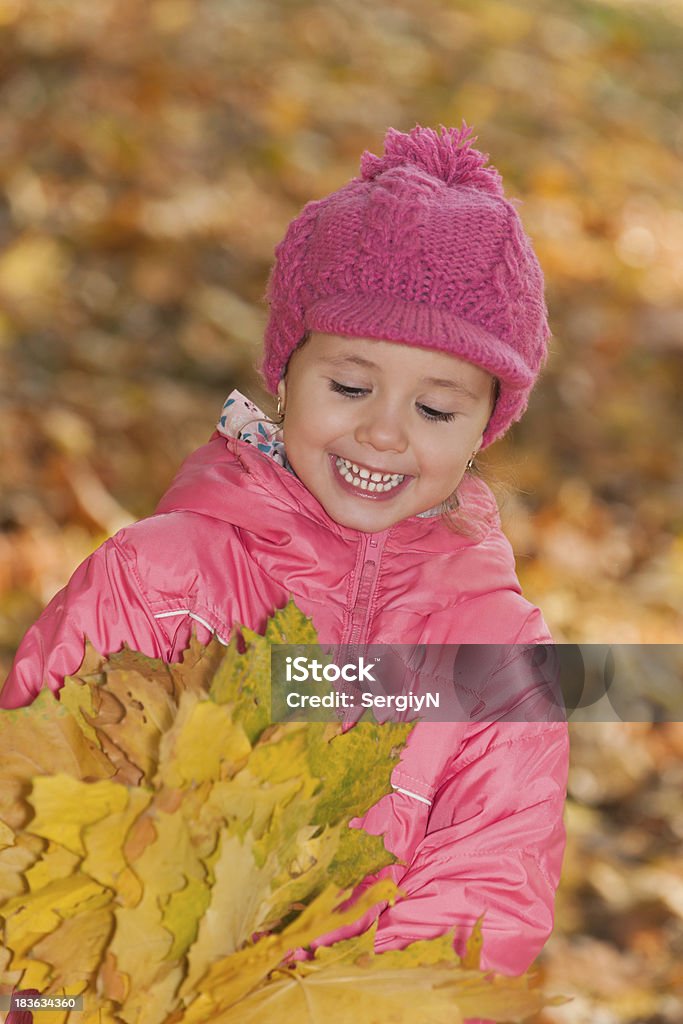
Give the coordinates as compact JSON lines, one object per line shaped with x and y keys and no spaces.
{"x":357,"y":360}
{"x":454,"y":385}
{"x":439,"y":382}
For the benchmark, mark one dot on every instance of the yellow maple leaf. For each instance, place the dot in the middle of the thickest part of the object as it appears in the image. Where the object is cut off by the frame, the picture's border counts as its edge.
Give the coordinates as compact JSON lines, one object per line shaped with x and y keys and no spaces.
{"x":74,"y":949}
{"x":204,"y":742}
{"x":232,"y":915}
{"x":15,"y":860}
{"x":230,"y":979}
{"x":147,"y":710}
{"x":43,"y":739}
{"x":6,"y":836}
{"x":348,"y":981}
{"x":64,"y":806}
{"x":30,"y":917}
{"x":473,"y":948}
{"x":54,"y":862}
{"x":183,"y":912}
{"x":104,"y":842}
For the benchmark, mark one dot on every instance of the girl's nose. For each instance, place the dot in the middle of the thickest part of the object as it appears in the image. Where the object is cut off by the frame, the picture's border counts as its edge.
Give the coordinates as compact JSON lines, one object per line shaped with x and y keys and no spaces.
{"x":382,"y":429}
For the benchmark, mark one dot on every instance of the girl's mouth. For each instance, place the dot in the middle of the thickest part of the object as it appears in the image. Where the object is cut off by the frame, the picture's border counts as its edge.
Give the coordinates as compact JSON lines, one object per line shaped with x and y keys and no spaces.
{"x":364,"y":482}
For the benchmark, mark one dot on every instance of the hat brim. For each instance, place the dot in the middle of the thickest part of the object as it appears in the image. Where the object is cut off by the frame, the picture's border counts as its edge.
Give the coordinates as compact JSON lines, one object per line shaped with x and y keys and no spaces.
{"x":387,"y":318}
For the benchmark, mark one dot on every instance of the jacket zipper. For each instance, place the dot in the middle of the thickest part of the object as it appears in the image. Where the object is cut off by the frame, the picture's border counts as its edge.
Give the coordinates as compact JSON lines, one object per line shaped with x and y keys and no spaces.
{"x":373,"y":545}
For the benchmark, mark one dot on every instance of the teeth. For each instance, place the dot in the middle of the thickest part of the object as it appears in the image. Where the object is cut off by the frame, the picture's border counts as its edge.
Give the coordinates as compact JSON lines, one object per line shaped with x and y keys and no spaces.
{"x":365,"y":479}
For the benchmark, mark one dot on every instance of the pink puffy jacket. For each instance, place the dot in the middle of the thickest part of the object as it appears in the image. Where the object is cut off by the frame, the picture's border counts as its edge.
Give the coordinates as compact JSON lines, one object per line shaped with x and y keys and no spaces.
{"x":476,"y":808}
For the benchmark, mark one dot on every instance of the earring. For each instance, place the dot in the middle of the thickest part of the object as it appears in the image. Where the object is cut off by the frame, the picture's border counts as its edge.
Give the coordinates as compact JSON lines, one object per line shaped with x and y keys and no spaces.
{"x":280,"y":410}
{"x":470,"y":461}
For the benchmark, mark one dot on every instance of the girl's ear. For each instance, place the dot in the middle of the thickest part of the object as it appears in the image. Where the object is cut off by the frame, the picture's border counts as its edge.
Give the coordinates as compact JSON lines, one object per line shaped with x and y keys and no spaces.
{"x":282,"y":397}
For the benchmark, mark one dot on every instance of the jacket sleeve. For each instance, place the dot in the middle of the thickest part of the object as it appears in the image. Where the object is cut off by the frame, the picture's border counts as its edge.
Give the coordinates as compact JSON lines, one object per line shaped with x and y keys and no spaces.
{"x":104,"y":602}
{"x":494,"y":846}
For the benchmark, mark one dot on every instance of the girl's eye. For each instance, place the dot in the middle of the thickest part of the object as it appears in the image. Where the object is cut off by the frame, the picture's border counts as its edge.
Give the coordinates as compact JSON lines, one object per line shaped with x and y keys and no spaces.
{"x":425,"y":411}
{"x":434,"y":414}
{"x":348,"y":392}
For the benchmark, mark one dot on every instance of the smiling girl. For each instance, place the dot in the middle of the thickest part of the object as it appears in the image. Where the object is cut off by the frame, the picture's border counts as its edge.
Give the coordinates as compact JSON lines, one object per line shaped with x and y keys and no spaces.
{"x":407,"y":328}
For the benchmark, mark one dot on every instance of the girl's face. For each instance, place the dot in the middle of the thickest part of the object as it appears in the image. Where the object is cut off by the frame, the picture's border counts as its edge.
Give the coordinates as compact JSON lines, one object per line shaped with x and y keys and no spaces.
{"x":379,"y":431}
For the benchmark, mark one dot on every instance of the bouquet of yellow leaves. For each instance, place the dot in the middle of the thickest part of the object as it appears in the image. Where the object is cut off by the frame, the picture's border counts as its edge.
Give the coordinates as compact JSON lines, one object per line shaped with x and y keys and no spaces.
{"x":163,"y":846}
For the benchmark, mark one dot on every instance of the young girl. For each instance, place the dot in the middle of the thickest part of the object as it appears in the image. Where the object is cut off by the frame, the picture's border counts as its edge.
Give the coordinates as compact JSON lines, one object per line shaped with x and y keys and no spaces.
{"x":407,"y":328}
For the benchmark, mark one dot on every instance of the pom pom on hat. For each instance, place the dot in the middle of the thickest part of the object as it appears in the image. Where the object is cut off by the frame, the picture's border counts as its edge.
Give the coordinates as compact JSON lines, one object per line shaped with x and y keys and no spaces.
{"x":450,"y":157}
{"x":422,"y":249}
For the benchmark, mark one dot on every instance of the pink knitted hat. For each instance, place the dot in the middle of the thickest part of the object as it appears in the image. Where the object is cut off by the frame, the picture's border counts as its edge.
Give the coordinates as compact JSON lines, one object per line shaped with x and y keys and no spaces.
{"x":423,"y":249}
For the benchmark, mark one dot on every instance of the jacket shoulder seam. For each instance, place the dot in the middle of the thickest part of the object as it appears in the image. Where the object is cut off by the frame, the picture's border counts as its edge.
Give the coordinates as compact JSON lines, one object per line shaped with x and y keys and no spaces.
{"x":133,"y":569}
{"x":129,"y":562}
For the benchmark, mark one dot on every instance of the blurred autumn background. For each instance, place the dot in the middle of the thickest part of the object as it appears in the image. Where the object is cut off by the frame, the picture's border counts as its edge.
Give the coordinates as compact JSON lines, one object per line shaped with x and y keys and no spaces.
{"x":151,"y":157}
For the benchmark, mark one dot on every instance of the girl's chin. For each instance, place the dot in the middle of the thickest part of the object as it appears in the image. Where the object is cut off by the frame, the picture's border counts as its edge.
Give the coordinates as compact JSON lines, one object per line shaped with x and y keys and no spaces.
{"x":363,"y":525}
{"x":366,"y":516}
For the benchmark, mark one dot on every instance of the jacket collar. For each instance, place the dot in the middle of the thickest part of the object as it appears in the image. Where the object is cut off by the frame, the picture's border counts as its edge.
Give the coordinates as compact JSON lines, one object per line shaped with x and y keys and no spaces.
{"x":231,"y":480}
